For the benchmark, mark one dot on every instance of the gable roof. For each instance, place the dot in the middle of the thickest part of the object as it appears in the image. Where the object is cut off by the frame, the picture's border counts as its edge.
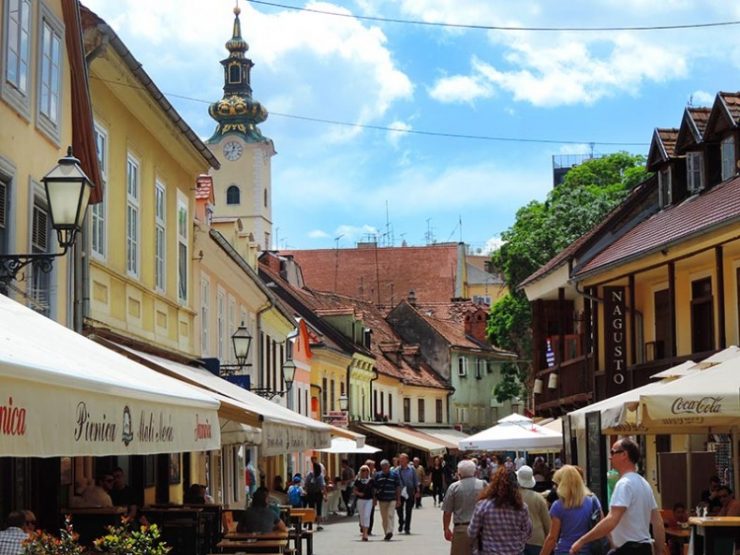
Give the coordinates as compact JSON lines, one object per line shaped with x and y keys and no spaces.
{"x":724,"y":115}
{"x":692,"y":128}
{"x":383,"y":275}
{"x":662,"y":147}
{"x":385,"y":342}
{"x":716,"y":207}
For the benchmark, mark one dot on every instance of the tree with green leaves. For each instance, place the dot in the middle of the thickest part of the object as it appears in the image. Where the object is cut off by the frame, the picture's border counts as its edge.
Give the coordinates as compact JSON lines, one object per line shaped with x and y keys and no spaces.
{"x":541,"y":230}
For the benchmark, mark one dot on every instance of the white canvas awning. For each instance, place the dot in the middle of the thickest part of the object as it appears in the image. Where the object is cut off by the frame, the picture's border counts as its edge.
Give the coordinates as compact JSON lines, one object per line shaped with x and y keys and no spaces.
{"x":236,"y":433}
{"x":408,"y":438}
{"x":515,"y":432}
{"x":705,"y":399}
{"x":340,"y":445}
{"x":283,"y":430}
{"x":65,"y":395}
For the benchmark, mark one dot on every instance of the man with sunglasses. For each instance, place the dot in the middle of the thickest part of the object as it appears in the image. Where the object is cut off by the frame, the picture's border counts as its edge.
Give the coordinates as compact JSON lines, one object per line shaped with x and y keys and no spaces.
{"x":632,"y":509}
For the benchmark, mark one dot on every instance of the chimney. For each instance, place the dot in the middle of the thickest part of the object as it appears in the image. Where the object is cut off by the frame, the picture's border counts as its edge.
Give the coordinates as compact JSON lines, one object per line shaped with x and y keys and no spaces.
{"x":411,"y":298}
{"x":475,"y":325}
{"x":271,"y":261}
{"x":204,"y":199}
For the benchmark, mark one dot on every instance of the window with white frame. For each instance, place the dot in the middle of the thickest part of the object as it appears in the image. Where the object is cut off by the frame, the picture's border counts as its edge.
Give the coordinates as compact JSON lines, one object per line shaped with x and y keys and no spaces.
{"x":97,"y":211}
{"x":694,"y":173}
{"x":221,"y":323}
{"x":205,"y":301}
{"x":17,"y":54}
{"x":4,"y":213}
{"x":728,"y":157}
{"x":182,"y":250}
{"x":132,"y":215}
{"x":665,"y":191}
{"x":462,"y":367}
{"x":49,"y":83}
{"x":160,"y":243}
{"x":231,"y":325}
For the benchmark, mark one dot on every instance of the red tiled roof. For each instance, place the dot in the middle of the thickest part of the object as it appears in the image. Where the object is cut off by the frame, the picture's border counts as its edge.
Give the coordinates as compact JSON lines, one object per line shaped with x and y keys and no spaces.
{"x":384,"y":275}
{"x":382,"y":343}
{"x":718,"y":206}
{"x":693,"y":125}
{"x":732,"y":101}
{"x":662,"y":147}
{"x":607,"y":223}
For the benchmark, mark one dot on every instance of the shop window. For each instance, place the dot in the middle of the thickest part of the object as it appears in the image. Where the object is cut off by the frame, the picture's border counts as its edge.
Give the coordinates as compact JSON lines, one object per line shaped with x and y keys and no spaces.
{"x":702,"y":316}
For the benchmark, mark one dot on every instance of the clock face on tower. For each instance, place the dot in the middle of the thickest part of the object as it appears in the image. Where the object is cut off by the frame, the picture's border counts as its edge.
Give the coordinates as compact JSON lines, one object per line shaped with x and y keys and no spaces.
{"x":233,"y":150}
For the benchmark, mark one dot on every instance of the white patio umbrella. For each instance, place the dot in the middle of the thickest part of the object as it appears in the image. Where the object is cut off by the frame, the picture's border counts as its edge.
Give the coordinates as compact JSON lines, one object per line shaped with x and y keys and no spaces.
{"x":341,"y":445}
{"x":515,"y":433}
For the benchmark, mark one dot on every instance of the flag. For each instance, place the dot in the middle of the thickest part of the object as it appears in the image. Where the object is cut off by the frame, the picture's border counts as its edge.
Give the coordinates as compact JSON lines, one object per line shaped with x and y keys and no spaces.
{"x":549,"y":354}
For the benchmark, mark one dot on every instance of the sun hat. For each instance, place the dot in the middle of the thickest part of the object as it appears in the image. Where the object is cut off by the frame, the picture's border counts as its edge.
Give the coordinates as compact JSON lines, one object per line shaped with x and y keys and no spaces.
{"x":524,"y":477}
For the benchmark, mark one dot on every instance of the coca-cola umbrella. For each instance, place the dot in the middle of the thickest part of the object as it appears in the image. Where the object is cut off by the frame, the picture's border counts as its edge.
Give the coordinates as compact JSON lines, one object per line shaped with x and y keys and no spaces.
{"x":706,"y":399}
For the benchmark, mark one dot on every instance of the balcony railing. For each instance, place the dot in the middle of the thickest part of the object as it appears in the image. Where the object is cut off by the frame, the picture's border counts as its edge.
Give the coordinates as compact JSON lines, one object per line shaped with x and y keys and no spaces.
{"x":565,"y":385}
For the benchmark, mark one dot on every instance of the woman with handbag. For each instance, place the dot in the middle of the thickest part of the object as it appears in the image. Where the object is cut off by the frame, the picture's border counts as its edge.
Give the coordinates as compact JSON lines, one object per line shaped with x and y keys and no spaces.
{"x":572,"y":515}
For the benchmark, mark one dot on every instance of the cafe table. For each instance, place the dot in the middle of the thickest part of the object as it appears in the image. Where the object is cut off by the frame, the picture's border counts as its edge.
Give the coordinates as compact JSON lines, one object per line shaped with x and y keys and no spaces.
{"x":713,"y":535}
{"x":252,"y":546}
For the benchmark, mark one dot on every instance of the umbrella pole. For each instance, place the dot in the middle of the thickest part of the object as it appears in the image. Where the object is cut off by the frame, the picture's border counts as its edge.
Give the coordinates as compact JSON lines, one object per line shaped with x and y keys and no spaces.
{"x":689,"y":484}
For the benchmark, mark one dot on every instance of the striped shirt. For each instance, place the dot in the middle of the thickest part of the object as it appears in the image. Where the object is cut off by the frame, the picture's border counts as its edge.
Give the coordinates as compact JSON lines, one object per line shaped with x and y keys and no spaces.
{"x":11,"y":541}
{"x":499,"y":531}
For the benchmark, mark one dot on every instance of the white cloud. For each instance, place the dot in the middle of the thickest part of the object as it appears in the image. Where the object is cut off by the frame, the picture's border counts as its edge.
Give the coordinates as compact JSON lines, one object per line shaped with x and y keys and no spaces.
{"x":318,"y":234}
{"x":461,"y":88}
{"x":493,"y":244}
{"x":351,"y":233}
{"x":337,"y":67}
{"x":395,"y":136}
{"x":702,"y":98}
{"x":569,"y":68}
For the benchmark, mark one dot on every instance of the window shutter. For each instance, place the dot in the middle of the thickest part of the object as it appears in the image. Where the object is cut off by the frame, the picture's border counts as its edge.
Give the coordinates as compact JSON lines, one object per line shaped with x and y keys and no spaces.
{"x":40,"y":235}
{"x":3,"y":205}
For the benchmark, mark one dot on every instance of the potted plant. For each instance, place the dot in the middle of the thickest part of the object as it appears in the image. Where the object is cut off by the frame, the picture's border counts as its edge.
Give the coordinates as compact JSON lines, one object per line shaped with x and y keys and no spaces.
{"x":42,"y":543}
{"x":127,"y":539}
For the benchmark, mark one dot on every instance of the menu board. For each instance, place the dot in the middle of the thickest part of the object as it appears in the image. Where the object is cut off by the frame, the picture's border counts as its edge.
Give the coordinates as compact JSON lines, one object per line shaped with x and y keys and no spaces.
{"x":595,"y":456}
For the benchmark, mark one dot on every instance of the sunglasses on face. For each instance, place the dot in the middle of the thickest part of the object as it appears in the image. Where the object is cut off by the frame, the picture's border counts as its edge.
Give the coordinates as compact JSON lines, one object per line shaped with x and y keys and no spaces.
{"x":615,"y":451}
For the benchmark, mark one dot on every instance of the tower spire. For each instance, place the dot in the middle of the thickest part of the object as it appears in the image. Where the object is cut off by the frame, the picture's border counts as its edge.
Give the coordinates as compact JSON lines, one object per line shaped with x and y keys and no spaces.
{"x":237,"y":112}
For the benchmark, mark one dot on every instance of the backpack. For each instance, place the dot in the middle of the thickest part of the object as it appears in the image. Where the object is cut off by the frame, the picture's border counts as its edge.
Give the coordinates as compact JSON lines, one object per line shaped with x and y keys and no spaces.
{"x":294,"y":496}
{"x":312,"y":483}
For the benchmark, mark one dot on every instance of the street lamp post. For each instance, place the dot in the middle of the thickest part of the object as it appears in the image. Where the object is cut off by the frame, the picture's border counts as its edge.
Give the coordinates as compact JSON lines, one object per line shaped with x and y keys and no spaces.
{"x":67,"y":195}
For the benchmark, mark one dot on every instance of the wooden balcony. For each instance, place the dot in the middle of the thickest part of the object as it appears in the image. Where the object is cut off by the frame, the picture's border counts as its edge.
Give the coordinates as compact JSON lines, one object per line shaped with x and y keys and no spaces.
{"x":572,"y":386}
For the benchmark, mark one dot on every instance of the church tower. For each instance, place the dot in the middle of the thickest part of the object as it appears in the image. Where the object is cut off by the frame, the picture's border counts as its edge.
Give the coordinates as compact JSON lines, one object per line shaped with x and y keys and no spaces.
{"x":242,"y":187}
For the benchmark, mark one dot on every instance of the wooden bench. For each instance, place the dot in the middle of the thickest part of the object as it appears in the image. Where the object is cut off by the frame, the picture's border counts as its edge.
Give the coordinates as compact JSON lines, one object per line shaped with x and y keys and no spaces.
{"x":303,"y":521}
{"x":253,"y":546}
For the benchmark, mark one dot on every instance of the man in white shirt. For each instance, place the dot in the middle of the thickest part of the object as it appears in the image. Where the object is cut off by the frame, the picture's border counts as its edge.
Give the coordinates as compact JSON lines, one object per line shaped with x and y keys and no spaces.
{"x":631,"y":511}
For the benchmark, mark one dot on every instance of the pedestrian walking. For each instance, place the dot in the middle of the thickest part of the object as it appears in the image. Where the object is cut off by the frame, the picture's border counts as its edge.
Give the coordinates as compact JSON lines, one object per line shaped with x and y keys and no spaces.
{"x":571,"y":514}
{"x":315,"y":487}
{"x":458,"y":507}
{"x":500,"y":523}
{"x":388,"y":495}
{"x":347,"y":477}
{"x":438,"y":481}
{"x":364,"y":491}
{"x":410,"y":491}
{"x":538,"y":511}
{"x":421,"y":474}
{"x":632,"y":508}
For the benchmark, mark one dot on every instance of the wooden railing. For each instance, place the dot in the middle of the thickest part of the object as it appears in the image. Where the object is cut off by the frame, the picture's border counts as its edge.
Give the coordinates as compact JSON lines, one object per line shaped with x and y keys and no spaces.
{"x":572,"y":385}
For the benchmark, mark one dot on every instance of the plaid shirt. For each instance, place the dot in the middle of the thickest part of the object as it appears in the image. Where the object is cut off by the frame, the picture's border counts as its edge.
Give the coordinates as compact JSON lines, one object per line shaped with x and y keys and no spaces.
{"x":499,"y":531}
{"x":11,"y":540}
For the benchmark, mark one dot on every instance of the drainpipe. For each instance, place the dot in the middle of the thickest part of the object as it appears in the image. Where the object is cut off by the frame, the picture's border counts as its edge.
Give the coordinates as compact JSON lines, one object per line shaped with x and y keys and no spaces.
{"x":260,"y":312}
{"x":450,"y":393}
{"x":375,"y":377}
{"x":348,"y":381}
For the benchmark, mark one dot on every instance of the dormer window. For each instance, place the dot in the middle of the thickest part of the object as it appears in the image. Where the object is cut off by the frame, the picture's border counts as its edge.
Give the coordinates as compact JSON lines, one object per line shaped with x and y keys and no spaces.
{"x":694,"y":173}
{"x":728,"y":157}
{"x":665,"y":193}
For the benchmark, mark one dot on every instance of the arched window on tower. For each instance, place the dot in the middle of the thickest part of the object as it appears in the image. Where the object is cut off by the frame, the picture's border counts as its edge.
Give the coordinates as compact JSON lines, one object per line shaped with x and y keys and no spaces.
{"x":233,"y":195}
{"x":235,"y":73}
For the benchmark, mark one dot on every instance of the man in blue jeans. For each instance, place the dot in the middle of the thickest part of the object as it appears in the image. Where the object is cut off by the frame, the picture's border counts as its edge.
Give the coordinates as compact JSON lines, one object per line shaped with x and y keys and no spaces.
{"x":410,"y":491}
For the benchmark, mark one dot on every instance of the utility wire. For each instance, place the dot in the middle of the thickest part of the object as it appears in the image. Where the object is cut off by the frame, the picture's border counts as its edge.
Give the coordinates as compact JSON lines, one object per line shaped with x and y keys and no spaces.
{"x":399,"y":129}
{"x":499,"y":27}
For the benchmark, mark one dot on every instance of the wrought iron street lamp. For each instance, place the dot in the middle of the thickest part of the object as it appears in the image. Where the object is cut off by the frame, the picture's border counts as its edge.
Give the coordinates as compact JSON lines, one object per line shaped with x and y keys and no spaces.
{"x":343,"y":403}
{"x":67,"y":195}
{"x":288,"y":374}
{"x":242,"y":341}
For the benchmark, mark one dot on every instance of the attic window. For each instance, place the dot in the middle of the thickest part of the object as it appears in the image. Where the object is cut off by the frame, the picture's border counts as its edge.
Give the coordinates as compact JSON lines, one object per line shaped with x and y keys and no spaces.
{"x":367,"y":335}
{"x":665,"y":195}
{"x":694,"y":173}
{"x":728,"y":157}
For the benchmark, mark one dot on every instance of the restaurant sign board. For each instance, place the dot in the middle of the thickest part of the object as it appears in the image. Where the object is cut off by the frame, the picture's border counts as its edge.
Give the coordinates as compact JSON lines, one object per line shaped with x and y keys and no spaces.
{"x":615,"y":339}
{"x":41,"y":420}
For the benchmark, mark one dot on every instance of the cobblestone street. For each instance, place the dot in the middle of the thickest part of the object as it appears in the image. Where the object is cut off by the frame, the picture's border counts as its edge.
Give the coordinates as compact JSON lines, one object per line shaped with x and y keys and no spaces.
{"x":342,"y":535}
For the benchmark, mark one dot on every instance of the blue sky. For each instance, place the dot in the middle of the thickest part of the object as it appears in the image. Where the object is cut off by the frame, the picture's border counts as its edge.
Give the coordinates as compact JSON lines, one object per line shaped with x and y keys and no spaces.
{"x":331,"y":181}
